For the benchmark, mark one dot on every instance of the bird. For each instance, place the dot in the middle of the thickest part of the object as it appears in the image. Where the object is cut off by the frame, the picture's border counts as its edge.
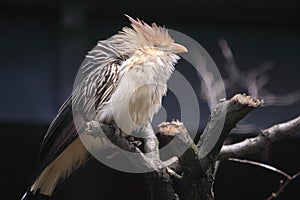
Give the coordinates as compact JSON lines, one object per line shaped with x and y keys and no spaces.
{"x":124,"y":78}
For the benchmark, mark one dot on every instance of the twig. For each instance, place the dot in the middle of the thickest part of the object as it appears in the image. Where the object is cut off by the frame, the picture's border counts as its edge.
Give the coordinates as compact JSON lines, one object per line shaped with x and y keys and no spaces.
{"x":282,"y":186}
{"x":266,"y":137}
{"x":268,"y":167}
{"x":173,"y":173}
{"x":288,"y":177}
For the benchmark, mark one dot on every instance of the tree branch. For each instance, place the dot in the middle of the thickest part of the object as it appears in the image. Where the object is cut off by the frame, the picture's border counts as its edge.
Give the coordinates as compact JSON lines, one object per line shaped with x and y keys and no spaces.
{"x":262,"y":165}
{"x":224,"y":118}
{"x":198,"y":161}
{"x":288,"y":177}
{"x":148,"y":160}
{"x":282,"y":186}
{"x":258,"y":143}
{"x":159,"y":181}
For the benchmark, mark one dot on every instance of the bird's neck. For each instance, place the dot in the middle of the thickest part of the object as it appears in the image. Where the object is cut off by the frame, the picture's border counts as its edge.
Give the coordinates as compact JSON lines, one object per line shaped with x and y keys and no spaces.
{"x":157,"y":64}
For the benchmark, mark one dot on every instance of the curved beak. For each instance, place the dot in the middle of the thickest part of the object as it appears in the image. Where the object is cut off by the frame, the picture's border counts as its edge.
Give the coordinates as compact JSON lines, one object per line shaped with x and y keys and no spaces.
{"x":178,"y":48}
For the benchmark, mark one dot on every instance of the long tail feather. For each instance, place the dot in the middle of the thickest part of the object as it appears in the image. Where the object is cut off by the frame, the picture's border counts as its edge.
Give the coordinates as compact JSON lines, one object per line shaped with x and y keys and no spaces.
{"x":30,"y":196}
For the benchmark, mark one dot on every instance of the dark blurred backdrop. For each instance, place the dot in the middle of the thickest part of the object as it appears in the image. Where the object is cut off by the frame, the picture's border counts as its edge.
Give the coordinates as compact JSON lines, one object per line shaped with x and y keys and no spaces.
{"x":44,"y":42}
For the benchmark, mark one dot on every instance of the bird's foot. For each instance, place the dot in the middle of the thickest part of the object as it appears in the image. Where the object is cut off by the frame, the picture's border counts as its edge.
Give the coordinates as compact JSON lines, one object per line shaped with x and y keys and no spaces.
{"x":117,"y":130}
{"x":133,"y":141}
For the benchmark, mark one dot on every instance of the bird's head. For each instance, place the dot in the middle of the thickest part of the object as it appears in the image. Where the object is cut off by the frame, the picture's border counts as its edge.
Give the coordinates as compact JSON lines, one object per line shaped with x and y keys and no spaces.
{"x":154,"y":37}
{"x":144,"y":37}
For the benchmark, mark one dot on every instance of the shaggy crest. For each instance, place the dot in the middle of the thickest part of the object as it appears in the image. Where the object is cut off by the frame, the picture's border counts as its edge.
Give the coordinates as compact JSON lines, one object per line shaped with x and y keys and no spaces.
{"x":152,"y":33}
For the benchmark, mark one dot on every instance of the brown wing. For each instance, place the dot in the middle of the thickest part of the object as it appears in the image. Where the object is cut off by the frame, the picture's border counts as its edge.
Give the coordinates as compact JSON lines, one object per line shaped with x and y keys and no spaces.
{"x":98,"y":81}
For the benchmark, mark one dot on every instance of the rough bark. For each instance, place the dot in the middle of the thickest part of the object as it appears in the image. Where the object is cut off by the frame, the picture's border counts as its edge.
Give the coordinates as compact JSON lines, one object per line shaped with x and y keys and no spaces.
{"x":198,"y":161}
{"x":199,"y":173}
{"x":258,"y":143}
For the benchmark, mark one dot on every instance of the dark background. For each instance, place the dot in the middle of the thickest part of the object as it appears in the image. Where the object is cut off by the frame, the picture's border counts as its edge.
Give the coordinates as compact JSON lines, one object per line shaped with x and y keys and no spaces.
{"x":44,"y":42}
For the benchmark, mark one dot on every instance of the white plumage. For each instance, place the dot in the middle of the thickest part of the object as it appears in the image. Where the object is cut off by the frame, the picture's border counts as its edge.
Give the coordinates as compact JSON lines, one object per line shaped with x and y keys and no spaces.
{"x":138,"y":96}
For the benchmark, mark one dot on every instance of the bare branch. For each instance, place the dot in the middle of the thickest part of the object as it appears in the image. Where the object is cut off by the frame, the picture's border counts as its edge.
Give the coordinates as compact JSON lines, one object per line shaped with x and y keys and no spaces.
{"x":173,"y":173}
{"x":282,"y":186}
{"x":159,"y":181}
{"x":198,"y":161}
{"x":160,"y":185}
{"x":259,"y":164}
{"x":224,"y":118}
{"x":256,"y":144}
{"x":288,"y":177}
{"x":149,"y":161}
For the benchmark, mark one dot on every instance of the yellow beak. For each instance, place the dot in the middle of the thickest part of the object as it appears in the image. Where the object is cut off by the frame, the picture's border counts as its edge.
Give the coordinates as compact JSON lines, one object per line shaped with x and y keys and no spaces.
{"x":178,"y":48}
